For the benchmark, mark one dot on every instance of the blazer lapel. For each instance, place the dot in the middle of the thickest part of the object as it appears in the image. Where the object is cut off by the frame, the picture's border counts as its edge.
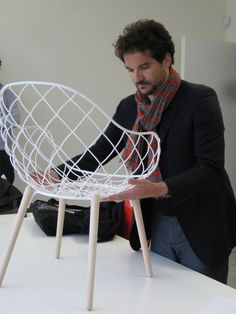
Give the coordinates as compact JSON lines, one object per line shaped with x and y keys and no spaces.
{"x":168,"y":118}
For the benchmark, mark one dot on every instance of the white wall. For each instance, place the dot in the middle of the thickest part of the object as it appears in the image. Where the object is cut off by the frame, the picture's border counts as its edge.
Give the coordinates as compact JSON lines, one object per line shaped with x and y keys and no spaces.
{"x":70,"y":41}
{"x":231,"y":12}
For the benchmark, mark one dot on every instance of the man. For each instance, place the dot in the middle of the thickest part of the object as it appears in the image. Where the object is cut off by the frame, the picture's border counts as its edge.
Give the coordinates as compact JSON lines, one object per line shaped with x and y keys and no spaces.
{"x":6,"y":168}
{"x":189,"y":208}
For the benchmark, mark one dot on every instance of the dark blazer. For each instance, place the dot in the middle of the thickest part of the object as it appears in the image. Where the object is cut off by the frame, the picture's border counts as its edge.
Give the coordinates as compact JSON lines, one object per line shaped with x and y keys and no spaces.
{"x":192,"y":164}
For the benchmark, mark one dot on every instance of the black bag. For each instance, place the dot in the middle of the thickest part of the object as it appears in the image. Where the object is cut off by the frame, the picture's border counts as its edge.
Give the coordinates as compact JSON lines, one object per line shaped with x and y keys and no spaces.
{"x":10,"y":197}
{"x":4,"y":187}
{"x":77,"y":218}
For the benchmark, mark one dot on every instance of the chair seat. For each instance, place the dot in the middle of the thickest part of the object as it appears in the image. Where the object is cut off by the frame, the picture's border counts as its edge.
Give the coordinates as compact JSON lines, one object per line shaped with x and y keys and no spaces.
{"x":83,"y":190}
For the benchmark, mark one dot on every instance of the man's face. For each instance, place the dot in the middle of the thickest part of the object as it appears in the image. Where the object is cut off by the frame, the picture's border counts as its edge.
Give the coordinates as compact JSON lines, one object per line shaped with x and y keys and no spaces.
{"x":146,"y":73}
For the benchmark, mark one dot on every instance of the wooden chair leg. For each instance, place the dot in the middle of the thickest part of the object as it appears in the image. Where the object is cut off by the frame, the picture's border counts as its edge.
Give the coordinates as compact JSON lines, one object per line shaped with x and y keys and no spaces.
{"x":26,"y":200}
{"x":60,"y":225}
{"x":93,"y":232}
{"x":142,"y":236}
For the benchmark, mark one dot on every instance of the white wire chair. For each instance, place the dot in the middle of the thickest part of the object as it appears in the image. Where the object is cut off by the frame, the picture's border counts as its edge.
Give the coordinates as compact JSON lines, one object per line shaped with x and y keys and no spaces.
{"x":56,"y":123}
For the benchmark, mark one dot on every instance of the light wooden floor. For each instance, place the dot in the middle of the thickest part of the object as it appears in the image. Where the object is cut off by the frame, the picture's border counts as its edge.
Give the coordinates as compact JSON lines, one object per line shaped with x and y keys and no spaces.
{"x":232,"y":269}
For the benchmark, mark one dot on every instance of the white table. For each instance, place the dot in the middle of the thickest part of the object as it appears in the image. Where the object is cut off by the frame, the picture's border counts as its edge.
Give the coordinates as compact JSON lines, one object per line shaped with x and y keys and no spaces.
{"x":37,"y":283}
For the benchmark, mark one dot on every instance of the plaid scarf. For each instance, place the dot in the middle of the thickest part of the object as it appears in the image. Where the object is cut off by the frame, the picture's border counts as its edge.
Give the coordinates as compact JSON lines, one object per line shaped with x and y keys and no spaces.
{"x":148,"y":117}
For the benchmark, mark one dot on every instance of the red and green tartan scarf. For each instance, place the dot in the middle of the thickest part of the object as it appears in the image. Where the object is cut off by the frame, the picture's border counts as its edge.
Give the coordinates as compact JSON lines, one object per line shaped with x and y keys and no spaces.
{"x":148,"y":117}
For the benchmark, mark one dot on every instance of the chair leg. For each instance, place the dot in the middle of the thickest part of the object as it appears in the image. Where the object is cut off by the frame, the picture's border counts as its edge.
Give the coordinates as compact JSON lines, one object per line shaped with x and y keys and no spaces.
{"x":28,"y":193}
{"x":142,"y":236}
{"x":93,"y":232}
{"x":60,"y":224}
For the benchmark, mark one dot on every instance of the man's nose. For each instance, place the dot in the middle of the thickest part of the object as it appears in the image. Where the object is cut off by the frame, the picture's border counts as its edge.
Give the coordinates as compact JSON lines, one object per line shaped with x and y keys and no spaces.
{"x":137,"y":76}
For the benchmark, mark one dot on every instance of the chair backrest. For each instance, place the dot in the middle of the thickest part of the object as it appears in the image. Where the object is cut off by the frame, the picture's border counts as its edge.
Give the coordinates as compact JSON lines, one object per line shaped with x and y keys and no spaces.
{"x":57,"y":123}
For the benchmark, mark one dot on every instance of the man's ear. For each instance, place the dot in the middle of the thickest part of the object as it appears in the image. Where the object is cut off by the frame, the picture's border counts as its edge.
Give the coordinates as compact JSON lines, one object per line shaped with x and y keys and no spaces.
{"x":167,"y":60}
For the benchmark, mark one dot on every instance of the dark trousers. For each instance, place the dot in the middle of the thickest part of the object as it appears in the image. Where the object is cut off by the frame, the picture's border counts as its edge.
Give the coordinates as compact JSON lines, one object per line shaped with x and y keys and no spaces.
{"x":169,"y":241}
{"x":6,"y":167}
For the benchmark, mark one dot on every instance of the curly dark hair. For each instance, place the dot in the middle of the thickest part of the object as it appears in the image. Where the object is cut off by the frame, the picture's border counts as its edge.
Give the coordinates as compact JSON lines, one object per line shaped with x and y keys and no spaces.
{"x":145,"y":35}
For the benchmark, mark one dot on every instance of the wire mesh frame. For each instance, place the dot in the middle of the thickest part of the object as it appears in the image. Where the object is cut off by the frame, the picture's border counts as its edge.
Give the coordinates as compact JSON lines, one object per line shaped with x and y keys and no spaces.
{"x":33,"y":145}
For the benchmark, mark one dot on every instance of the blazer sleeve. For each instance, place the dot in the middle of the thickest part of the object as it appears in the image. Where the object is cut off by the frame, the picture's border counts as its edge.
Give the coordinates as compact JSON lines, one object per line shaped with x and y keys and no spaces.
{"x":208,"y":150}
{"x":102,"y":151}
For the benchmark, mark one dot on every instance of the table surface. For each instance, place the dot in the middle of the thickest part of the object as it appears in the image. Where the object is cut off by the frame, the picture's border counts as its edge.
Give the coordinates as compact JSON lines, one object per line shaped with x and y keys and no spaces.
{"x":37,"y":283}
